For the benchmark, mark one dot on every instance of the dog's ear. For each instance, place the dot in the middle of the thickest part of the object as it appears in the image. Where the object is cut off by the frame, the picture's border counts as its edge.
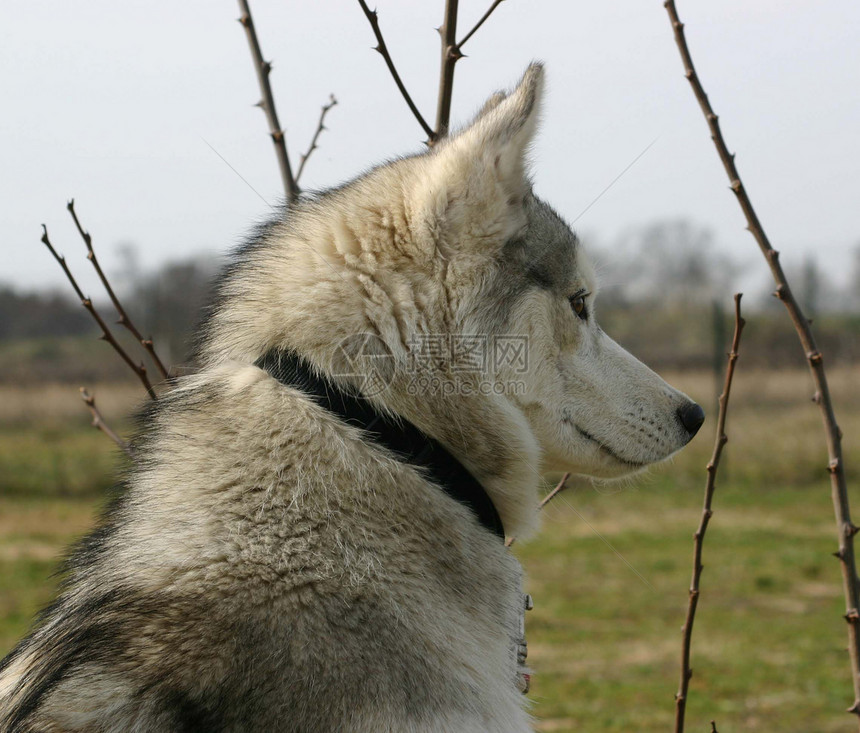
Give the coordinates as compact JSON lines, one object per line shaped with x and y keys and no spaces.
{"x":478,"y":176}
{"x":504,"y":128}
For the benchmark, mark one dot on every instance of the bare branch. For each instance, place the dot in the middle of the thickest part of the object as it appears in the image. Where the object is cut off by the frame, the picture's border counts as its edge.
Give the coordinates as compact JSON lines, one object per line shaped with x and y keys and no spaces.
{"x":833,"y":435}
{"x":138,"y":369}
{"x":99,"y":422}
{"x":699,"y":538}
{"x":124,"y":320}
{"x":477,"y":25}
{"x":264,"y":69}
{"x":383,"y":51}
{"x":320,"y":128}
{"x":560,"y":486}
{"x":450,"y":56}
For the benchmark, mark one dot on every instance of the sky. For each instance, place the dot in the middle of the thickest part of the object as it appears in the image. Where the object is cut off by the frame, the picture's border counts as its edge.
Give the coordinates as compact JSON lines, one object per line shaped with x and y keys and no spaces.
{"x":132,"y":108}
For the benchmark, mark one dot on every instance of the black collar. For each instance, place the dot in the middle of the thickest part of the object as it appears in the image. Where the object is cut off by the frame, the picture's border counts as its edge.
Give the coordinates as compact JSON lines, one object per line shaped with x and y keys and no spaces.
{"x":403,"y":438}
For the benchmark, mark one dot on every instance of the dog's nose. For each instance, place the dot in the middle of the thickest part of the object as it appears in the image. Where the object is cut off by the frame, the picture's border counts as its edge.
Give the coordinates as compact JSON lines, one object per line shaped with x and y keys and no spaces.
{"x":691,"y":416}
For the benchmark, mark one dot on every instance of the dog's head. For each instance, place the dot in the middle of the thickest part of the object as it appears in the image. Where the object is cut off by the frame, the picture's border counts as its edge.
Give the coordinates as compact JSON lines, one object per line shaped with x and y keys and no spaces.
{"x":519,"y":281}
{"x":473,"y":306}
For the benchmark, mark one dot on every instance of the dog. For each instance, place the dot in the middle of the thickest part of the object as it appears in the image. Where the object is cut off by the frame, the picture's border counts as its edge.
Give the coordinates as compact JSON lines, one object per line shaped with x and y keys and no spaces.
{"x":312,"y":536}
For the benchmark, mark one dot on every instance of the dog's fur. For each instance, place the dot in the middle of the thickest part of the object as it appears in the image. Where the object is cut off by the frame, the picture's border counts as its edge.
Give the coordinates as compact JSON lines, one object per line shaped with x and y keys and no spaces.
{"x":270,"y":568}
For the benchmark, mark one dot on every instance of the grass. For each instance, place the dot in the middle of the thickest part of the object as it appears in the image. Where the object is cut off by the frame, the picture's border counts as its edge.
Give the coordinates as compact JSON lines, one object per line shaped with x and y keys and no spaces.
{"x":604,"y":637}
{"x":47,"y":446}
{"x":768,"y":648}
{"x":33,"y":535}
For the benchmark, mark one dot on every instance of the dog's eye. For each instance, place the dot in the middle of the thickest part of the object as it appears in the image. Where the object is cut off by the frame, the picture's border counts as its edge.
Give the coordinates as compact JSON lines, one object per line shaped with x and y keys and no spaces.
{"x":577,"y":305}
